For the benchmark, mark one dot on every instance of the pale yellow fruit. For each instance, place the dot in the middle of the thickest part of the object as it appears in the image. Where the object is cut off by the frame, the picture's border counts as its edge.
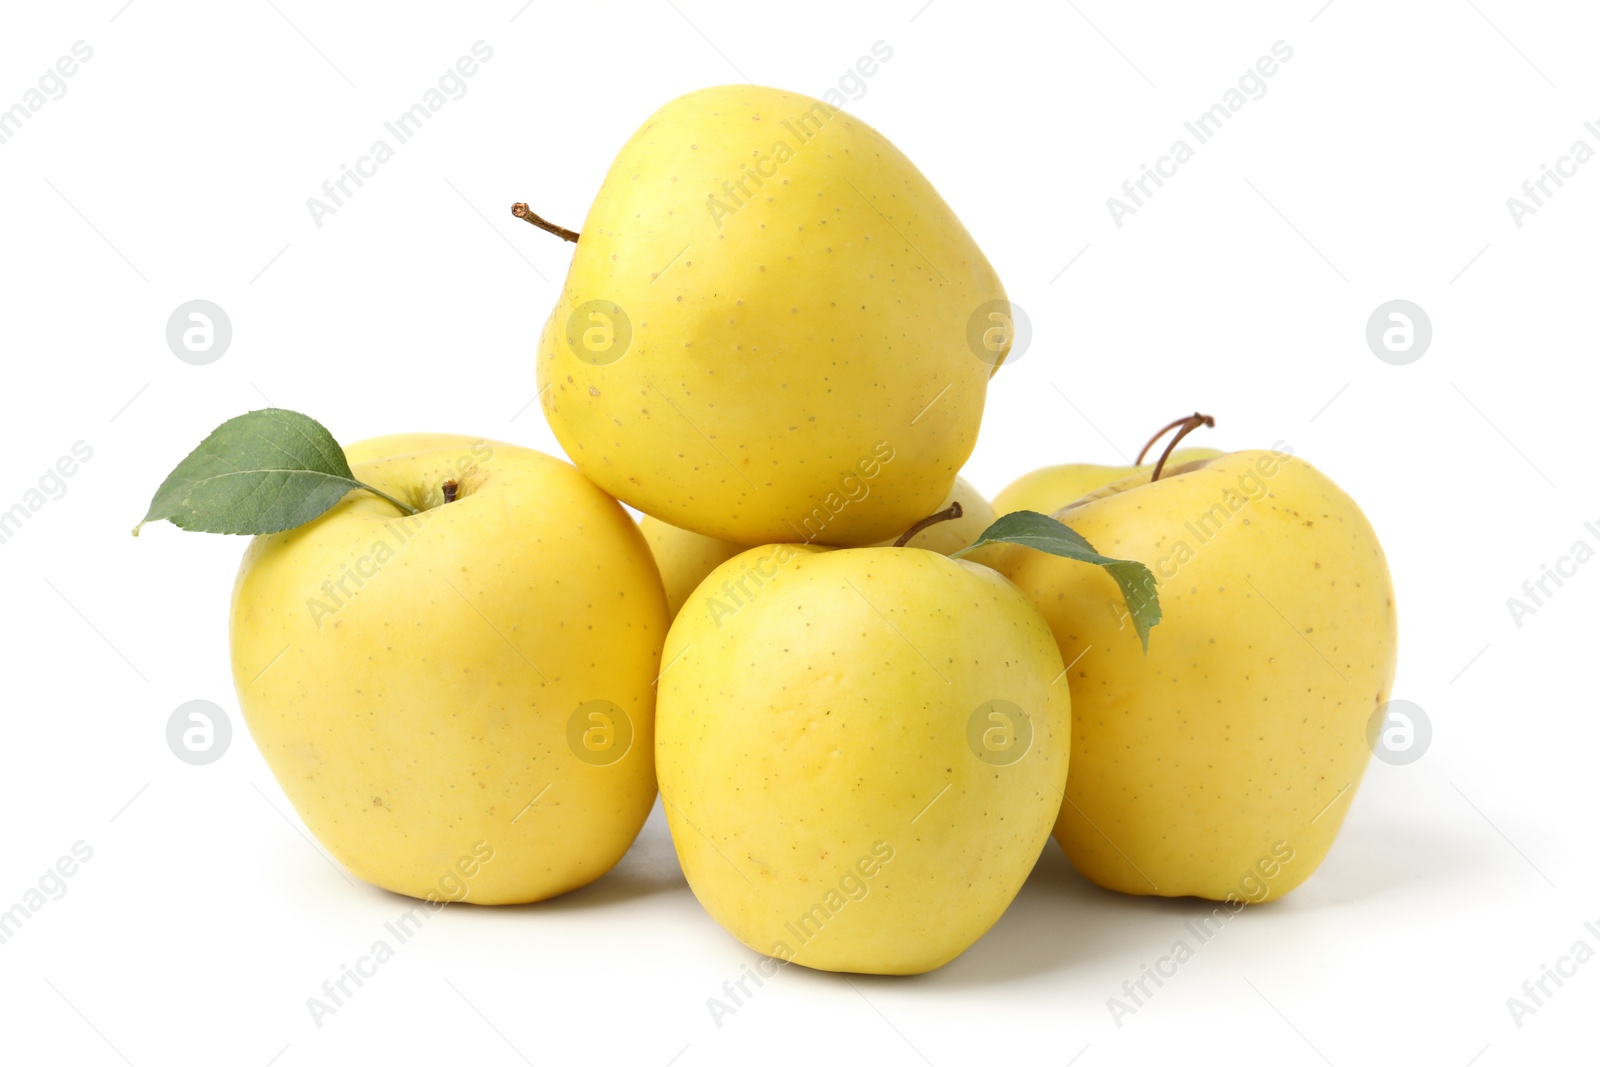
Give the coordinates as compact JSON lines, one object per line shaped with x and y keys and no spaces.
{"x":684,"y":558}
{"x":1049,"y":488}
{"x":1223,"y":762}
{"x":421,"y":686}
{"x":838,"y":786}
{"x":770,"y":329}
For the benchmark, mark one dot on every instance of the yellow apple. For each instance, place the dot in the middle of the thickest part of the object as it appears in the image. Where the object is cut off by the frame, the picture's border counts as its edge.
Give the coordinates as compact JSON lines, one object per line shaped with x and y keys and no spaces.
{"x":458,"y":703}
{"x":1221,"y":764}
{"x":773,"y":328}
{"x":861,"y":752}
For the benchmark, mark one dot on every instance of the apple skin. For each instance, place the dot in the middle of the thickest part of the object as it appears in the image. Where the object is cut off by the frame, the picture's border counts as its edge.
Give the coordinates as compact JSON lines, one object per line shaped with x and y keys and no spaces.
{"x":1241,"y":735}
{"x":823,"y":720}
{"x":412,"y":717}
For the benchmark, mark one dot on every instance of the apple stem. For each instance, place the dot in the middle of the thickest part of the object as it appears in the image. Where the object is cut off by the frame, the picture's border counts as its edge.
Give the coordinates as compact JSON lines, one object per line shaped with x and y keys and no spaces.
{"x":450,"y":489}
{"x":1185,"y":426}
{"x":1148,"y":445}
{"x":405,"y":509}
{"x":525,"y":213}
{"x":951,"y":512}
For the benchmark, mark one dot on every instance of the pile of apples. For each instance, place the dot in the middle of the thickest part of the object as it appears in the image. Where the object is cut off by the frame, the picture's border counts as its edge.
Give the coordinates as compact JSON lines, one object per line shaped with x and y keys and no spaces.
{"x":775,"y":341}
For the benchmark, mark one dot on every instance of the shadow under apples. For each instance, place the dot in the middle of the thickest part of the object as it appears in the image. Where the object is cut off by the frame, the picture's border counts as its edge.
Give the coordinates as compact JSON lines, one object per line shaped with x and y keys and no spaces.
{"x":1061,"y":921}
{"x":1389,"y":857}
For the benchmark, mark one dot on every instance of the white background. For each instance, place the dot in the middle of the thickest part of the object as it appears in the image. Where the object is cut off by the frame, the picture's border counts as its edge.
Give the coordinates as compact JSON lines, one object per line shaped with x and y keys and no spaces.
{"x":1377,"y":166}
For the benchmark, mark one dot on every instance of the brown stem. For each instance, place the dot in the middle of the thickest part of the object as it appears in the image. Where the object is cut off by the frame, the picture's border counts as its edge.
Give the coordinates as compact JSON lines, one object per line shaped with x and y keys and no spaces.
{"x":1159,"y":434}
{"x":525,"y":213}
{"x":1185,"y":427}
{"x":951,"y":512}
{"x":450,"y":489}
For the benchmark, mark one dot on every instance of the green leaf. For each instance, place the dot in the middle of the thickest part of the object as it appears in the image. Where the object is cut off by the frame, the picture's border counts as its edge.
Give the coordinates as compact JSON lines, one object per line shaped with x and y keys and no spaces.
{"x":260,"y":473}
{"x":1033,"y":530}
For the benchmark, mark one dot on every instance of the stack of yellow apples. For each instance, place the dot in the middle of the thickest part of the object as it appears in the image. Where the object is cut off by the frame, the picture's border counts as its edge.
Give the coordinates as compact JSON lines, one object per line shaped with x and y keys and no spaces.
{"x":775,"y":341}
